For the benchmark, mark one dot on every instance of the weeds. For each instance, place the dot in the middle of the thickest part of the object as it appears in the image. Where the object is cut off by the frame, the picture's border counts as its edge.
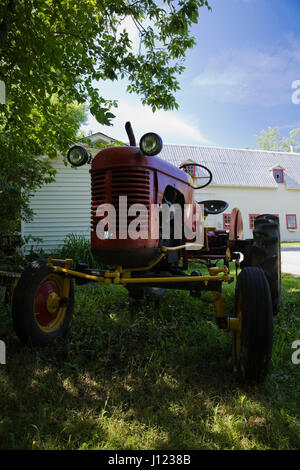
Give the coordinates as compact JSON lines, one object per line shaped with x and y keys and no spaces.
{"x":78,"y":248}
{"x":148,"y":376}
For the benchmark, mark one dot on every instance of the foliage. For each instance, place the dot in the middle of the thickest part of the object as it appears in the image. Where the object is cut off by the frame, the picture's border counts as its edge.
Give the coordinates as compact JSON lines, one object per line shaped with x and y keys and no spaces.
{"x":75,"y":247}
{"x":63,"y":46}
{"x":53,"y":54}
{"x":148,"y":376}
{"x":18,"y":260}
{"x":272,"y":140}
{"x":25,"y":140}
{"x":78,"y":248}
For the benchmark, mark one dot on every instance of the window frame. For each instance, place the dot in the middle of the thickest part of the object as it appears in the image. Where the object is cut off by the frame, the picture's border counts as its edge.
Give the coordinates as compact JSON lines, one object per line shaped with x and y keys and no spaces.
{"x":282,"y":175}
{"x":250,"y":215}
{"x":287,"y":223}
{"x":224,"y":225}
{"x":190,"y":166}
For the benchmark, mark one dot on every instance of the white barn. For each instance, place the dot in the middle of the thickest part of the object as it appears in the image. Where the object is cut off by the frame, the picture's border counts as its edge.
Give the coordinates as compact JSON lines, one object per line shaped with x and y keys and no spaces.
{"x":255,"y":181}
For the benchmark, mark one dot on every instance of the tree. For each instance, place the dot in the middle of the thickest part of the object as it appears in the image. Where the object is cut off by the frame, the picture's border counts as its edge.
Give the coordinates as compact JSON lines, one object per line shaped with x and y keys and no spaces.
{"x":63,"y":46}
{"x":26,"y":158}
{"x":272,"y":140}
{"x":61,"y":49}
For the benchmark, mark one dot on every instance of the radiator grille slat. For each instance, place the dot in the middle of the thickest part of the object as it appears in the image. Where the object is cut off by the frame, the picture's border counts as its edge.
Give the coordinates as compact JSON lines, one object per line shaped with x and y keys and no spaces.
{"x":107,"y":186}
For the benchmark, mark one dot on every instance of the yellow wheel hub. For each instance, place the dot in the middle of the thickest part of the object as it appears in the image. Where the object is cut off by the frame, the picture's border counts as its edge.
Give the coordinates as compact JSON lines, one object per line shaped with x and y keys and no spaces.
{"x":49,"y":313}
{"x":52,"y":302}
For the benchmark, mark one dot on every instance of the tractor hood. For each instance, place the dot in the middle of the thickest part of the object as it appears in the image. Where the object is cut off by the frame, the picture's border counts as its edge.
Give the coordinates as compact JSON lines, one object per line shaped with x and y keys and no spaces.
{"x":125,"y":157}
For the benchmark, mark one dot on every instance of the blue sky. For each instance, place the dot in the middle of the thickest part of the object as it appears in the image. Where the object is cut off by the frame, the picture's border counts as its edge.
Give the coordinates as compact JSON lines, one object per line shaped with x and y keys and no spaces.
{"x":238,"y":79}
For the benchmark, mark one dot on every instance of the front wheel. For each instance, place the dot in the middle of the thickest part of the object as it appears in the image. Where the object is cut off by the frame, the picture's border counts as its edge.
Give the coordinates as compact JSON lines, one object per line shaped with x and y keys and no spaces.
{"x":252,"y":342}
{"x":42,"y":305}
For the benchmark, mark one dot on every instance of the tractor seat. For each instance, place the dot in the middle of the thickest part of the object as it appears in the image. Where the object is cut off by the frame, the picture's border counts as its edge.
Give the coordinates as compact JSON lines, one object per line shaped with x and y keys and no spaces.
{"x":214,"y":206}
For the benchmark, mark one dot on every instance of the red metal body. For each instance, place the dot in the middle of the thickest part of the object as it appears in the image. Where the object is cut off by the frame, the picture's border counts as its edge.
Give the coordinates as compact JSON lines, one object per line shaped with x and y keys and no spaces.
{"x":122,"y":171}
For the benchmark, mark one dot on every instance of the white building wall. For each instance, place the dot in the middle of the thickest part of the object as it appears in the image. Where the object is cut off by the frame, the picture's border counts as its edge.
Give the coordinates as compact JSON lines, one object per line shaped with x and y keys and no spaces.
{"x":61,"y":207}
{"x":255,"y":201}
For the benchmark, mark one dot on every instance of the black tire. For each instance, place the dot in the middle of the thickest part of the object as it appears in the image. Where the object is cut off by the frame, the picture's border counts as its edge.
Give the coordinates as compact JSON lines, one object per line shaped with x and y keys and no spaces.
{"x":266,"y":253}
{"x":36,"y":278}
{"x":252,"y":346}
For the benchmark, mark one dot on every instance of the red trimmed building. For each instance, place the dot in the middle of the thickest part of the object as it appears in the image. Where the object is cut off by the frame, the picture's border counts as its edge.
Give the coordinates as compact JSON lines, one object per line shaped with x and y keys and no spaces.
{"x":255,"y":181}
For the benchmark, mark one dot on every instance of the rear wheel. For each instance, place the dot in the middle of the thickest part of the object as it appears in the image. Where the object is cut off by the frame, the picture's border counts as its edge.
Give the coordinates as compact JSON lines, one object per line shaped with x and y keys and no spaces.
{"x":43,"y":304}
{"x":266,"y":253}
{"x":252,"y":343}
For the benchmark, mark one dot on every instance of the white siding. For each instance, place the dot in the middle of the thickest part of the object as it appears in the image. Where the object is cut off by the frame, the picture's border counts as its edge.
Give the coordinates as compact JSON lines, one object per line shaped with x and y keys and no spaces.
{"x":280,"y":201}
{"x":61,"y":207}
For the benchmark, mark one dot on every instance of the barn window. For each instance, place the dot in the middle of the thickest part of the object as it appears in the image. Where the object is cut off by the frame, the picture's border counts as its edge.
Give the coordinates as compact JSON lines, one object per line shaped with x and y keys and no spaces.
{"x":252,"y":218}
{"x":226,"y":221}
{"x":291,"y":221}
{"x":190,"y":169}
{"x":278,"y":175}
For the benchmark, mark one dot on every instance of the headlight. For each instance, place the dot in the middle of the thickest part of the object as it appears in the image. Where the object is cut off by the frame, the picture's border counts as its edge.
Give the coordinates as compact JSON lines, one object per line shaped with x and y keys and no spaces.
{"x":151,"y":144}
{"x":78,"y":155}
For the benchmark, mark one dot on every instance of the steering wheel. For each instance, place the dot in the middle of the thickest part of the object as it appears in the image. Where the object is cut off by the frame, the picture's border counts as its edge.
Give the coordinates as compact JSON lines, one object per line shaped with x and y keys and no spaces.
{"x":209,"y":176}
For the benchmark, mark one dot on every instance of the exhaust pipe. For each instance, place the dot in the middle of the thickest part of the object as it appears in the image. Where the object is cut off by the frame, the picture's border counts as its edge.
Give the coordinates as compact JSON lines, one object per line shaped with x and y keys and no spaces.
{"x":130,"y":134}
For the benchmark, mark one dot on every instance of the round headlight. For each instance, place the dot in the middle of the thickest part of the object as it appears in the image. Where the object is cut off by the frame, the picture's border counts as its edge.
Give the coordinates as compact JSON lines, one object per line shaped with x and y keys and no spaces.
{"x":78,"y":155}
{"x":151,"y":144}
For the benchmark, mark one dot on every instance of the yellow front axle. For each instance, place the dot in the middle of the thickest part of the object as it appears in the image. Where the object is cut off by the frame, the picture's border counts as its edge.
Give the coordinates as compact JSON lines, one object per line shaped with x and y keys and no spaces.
{"x":123,"y":277}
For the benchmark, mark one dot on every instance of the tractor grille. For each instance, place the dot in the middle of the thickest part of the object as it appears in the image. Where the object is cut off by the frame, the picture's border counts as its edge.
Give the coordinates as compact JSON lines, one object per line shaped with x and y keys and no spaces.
{"x":109,"y":185}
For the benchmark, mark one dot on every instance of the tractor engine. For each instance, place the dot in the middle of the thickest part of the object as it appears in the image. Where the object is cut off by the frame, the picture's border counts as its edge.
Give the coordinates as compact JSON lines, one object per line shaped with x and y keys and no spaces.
{"x":141,"y":183}
{"x":130,"y":184}
{"x":130,"y":189}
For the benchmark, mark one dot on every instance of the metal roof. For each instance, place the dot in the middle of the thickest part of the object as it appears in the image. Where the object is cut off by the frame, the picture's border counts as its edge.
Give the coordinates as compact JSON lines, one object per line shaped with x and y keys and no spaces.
{"x":238,"y":167}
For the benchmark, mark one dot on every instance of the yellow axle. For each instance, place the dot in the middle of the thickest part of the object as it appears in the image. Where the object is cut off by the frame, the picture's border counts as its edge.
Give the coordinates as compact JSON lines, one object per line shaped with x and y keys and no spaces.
{"x":123,"y":276}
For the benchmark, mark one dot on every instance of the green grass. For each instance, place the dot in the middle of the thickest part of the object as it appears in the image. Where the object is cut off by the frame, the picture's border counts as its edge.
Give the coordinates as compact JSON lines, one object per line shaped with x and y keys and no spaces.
{"x":290,"y":243}
{"x":148,"y":376}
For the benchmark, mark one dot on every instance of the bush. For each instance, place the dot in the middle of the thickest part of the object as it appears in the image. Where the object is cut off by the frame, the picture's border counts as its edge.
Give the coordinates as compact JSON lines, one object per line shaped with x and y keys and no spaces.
{"x":78,"y":248}
{"x":13,"y":258}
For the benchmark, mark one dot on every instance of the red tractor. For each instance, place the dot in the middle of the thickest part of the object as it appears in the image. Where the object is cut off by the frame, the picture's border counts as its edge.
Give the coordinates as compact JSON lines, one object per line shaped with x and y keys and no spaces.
{"x":151,"y":257}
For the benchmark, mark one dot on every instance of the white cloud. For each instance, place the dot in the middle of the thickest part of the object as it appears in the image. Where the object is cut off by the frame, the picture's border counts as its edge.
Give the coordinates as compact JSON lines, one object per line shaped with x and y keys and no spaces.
{"x":250,"y":76}
{"x":169,"y":125}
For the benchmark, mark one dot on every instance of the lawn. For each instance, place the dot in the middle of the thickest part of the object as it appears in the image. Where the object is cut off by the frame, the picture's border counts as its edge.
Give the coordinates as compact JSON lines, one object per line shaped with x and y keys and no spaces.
{"x":290,"y":243}
{"x":153,"y":375}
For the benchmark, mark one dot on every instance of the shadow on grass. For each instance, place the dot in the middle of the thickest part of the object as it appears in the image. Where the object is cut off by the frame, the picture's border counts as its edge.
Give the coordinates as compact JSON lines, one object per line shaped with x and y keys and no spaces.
{"x":149,"y":375}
